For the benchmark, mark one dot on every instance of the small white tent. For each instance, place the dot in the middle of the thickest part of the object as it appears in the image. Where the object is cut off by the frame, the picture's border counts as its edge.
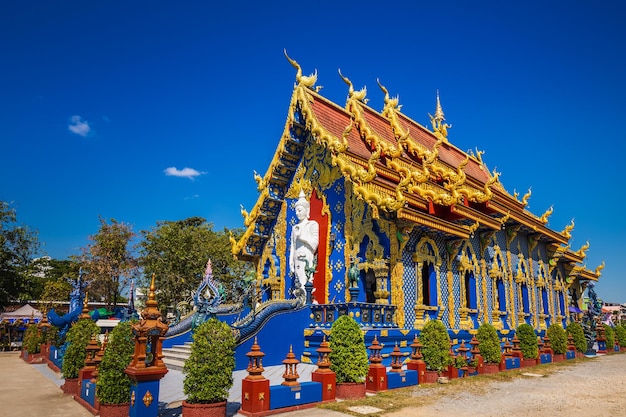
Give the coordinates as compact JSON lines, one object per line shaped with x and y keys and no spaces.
{"x":26,"y":313}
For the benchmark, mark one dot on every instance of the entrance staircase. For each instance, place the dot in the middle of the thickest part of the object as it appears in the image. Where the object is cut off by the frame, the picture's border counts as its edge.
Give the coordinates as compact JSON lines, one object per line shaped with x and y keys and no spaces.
{"x":176,"y":356}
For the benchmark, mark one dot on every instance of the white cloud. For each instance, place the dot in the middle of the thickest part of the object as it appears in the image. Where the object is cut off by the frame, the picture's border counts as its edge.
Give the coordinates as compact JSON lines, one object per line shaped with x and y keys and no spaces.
{"x":78,"y":126}
{"x":184,"y":173}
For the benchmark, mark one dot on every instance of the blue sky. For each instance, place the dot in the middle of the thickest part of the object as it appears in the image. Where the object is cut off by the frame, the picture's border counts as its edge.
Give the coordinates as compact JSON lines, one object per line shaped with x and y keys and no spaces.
{"x":152,"y":110}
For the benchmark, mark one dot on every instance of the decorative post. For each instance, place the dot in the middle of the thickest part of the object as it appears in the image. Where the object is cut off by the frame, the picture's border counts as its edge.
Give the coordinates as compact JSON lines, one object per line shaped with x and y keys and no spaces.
{"x":416,"y":363}
{"x":476,"y":356}
{"x":255,"y":389}
{"x":453,"y":371}
{"x":43,"y":327}
{"x":146,"y":367}
{"x":463,"y":354}
{"x":88,"y":370}
{"x":396,"y":359}
{"x":291,"y":369}
{"x":516,"y":350}
{"x":323,"y":374}
{"x":377,"y":375}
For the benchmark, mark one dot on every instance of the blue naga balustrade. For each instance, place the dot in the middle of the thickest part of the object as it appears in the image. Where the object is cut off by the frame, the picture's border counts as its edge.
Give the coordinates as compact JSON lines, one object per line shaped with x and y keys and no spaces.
{"x":365,"y":314}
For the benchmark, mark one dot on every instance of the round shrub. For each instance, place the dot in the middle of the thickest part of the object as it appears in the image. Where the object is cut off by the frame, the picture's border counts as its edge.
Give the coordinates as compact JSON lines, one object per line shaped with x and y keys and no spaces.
{"x":113,"y":385}
{"x":77,"y":339}
{"x":32,"y":339}
{"x":489,"y":345}
{"x":609,"y":335}
{"x":558,"y":338}
{"x":620,"y":335}
{"x":528,"y":341}
{"x":209,"y":369}
{"x":578,"y":334}
{"x":436,"y":345}
{"x":348,"y":358}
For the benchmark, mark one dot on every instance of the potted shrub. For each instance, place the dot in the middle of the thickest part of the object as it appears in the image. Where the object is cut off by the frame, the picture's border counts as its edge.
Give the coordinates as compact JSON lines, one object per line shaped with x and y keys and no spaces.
{"x":31,"y":343}
{"x":348,"y":358}
{"x":578,"y":334}
{"x":489,"y":346}
{"x":436,"y":349}
{"x":528,"y":344}
{"x":609,"y":335}
{"x":558,"y":341}
{"x":113,"y":385}
{"x":620,"y":335}
{"x":77,"y":339}
{"x":209,"y":370}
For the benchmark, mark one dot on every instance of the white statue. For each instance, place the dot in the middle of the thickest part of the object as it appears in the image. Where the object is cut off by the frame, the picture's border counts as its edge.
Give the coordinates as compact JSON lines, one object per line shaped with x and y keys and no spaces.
{"x":304,"y":241}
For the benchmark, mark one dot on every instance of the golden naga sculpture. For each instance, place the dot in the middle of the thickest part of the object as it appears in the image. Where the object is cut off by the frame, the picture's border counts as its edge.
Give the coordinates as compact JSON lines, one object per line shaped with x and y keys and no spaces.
{"x":390,"y":103}
{"x":567,"y":232}
{"x":355,"y":95}
{"x":581,"y":252}
{"x":599,"y":268}
{"x":505,"y":218}
{"x":439,"y":127}
{"x":544,"y":217}
{"x":260,"y":182}
{"x":306,"y":81}
{"x":472,"y":228}
{"x":526,"y":197}
{"x":245,"y":215}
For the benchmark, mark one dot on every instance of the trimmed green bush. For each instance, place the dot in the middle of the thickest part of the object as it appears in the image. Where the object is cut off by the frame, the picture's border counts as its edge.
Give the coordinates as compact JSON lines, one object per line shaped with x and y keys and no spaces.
{"x":620,"y":335}
{"x":558,"y":338}
{"x":577,"y":332}
{"x":348,"y":358}
{"x":113,"y":385}
{"x":528,"y":341}
{"x":609,"y":335}
{"x":32,"y":340}
{"x":436,"y":345}
{"x":209,"y":369}
{"x":77,"y":339}
{"x":489,"y":346}
{"x":52,"y":336}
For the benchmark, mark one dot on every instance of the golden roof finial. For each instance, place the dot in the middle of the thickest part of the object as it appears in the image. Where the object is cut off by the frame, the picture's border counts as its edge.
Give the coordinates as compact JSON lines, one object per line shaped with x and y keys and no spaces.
{"x":85,"y":312}
{"x":527,"y":196}
{"x":567,"y":232}
{"x":152,"y":302}
{"x":439,"y":127}
{"x":599,"y":268}
{"x":302,"y":79}
{"x":439,"y":116}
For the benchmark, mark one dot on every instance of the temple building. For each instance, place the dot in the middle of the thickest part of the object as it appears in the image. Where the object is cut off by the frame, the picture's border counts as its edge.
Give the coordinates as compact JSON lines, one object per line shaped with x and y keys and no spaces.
{"x":409,"y":228}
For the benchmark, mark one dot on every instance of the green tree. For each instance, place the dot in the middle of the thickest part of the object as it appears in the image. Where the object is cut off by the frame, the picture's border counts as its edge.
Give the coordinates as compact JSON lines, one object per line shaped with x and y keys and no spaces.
{"x":436,"y":345}
{"x":176,"y":252}
{"x":18,"y":246}
{"x":348,"y":358}
{"x":113,"y":385}
{"x":109,"y":261}
{"x":489,"y":345}
{"x":578,"y":334}
{"x":528,"y":341}
{"x":558,"y":338}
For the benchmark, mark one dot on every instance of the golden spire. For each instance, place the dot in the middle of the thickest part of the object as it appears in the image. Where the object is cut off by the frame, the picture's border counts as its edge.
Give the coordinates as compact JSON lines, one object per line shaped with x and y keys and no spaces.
{"x":439,"y":116}
{"x":151,"y":295}
{"x":440,"y":128}
{"x":85,"y":313}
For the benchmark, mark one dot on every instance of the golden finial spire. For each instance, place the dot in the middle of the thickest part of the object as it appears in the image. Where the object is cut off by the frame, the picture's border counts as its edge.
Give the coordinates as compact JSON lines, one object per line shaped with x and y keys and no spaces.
{"x":439,"y":127}
{"x":85,"y":312}
{"x":439,"y":116}
{"x":152,"y":302}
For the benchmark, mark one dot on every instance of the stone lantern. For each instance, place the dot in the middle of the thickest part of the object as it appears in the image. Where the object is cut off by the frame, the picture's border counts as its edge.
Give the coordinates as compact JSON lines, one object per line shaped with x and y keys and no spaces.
{"x":377,"y":374}
{"x":146,"y":367}
{"x":323,"y":374}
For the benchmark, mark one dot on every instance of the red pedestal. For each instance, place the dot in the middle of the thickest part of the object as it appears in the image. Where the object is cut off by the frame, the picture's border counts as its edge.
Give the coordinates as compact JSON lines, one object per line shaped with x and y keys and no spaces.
{"x":329,"y":384}
{"x":376,"y":378}
{"x":255,"y":395}
{"x":420,"y":367}
{"x":480,"y":362}
{"x":452,"y":372}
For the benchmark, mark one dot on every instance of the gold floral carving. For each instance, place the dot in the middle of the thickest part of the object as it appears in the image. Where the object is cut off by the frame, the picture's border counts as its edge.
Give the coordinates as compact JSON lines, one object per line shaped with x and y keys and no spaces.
{"x":147,"y":399}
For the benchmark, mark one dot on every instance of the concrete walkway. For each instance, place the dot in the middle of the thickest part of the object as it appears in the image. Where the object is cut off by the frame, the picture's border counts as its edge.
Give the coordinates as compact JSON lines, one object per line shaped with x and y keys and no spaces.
{"x":34,"y":390}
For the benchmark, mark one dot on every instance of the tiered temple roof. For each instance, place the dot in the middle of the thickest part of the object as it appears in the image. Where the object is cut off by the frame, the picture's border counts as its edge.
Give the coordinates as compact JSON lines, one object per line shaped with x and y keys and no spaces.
{"x":403,"y":170}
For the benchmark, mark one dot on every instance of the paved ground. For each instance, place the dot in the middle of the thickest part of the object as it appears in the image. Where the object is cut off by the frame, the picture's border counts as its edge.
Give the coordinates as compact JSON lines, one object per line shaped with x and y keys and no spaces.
{"x":592,"y":388}
{"x":33,"y":390}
